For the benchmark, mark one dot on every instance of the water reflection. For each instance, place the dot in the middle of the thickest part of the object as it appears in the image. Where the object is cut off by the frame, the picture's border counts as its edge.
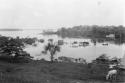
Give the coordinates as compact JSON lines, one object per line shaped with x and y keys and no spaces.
{"x":87,"y":48}
{"x":71,"y":47}
{"x":109,"y":40}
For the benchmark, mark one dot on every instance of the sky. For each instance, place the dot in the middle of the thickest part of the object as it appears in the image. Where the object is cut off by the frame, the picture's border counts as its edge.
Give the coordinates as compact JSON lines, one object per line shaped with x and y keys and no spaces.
{"x":38,"y":14}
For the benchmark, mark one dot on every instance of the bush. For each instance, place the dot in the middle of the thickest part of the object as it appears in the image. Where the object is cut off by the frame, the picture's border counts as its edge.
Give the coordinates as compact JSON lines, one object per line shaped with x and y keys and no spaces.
{"x":11,"y":49}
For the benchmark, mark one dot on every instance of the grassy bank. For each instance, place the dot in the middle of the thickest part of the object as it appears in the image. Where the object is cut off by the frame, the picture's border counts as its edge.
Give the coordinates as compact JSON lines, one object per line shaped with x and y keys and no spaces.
{"x":46,"y":72}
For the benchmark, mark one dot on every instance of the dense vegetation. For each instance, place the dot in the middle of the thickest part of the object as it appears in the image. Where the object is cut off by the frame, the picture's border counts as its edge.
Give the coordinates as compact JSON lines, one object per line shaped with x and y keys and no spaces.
{"x":98,"y":32}
{"x":13,"y":68}
{"x":93,"y":31}
{"x":12,"y":49}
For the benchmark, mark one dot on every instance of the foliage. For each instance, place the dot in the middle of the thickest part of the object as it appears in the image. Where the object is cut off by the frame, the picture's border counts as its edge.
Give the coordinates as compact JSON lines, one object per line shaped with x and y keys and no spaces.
{"x":52,"y":49}
{"x":102,"y":59}
{"x":93,"y":31}
{"x":29,"y":41}
{"x":12,"y":48}
{"x":10,"y":45}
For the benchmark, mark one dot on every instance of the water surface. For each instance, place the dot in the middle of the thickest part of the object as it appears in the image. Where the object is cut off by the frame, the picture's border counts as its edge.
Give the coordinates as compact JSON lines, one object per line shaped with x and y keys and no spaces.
{"x":89,"y":52}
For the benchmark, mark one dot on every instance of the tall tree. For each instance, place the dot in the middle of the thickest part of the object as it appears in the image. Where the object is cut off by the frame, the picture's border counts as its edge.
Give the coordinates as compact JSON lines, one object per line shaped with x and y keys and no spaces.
{"x":12,"y":47}
{"x":52,"y":48}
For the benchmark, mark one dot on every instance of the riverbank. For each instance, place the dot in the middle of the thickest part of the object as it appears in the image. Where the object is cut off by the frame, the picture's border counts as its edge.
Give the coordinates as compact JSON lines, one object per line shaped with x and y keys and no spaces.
{"x":94,"y":32}
{"x":57,"y":72}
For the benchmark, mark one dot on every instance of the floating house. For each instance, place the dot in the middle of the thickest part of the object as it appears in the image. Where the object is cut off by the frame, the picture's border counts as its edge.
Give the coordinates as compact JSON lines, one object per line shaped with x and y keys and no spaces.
{"x":110,"y":36}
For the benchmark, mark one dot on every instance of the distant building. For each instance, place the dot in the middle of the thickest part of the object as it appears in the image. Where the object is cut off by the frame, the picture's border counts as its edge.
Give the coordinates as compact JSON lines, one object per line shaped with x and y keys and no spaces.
{"x":110,"y":36}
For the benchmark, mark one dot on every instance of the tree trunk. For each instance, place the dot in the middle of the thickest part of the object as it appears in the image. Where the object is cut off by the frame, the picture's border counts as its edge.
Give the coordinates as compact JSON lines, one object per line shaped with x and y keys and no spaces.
{"x":52,"y":57}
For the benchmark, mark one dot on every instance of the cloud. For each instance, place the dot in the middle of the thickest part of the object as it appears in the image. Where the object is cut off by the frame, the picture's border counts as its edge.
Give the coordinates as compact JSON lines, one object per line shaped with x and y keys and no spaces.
{"x":59,"y":13}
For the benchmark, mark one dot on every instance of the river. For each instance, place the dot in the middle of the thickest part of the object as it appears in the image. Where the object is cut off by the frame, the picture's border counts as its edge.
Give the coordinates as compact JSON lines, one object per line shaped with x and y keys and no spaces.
{"x":89,"y":52}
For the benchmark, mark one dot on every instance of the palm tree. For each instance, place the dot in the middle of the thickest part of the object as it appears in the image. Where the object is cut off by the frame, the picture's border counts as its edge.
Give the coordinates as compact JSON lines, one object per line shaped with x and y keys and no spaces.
{"x":52,"y":48}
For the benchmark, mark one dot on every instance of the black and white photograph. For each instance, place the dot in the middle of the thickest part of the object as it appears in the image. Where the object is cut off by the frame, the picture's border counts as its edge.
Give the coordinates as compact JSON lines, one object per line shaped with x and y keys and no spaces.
{"x":62,"y":41}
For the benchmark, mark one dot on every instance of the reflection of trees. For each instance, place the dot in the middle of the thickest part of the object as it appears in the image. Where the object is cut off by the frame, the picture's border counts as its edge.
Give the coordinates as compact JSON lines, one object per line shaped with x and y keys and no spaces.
{"x":29,"y":41}
{"x":113,"y":41}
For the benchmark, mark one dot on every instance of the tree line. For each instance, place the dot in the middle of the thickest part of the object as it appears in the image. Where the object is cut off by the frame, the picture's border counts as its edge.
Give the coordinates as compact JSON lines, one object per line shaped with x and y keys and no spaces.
{"x":12,"y":49}
{"x":93,"y":31}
